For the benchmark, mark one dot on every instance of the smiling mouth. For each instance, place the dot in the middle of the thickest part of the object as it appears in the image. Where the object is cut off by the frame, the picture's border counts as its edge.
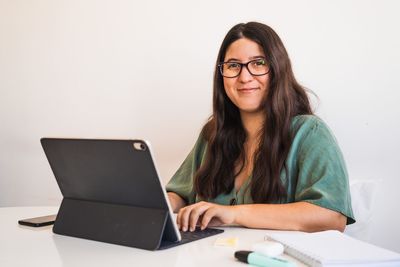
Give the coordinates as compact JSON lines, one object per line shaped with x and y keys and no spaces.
{"x":244,"y":90}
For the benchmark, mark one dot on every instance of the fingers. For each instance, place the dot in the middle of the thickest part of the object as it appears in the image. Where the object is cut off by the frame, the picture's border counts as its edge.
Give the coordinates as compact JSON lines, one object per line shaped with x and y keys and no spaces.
{"x":205,"y":212}
{"x":189,"y":216}
{"x":207,"y":216}
{"x":183,"y":218}
{"x":194,"y":216}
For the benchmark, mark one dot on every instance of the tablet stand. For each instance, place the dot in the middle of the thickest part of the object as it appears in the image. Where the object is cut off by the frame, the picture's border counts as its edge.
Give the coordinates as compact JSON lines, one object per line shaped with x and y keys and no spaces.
{"x":112,"y":223}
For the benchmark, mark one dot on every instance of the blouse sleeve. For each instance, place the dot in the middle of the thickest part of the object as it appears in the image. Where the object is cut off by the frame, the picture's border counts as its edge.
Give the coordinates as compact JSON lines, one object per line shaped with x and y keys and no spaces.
{"x":322,"y":174}
{"x":181,"y":182}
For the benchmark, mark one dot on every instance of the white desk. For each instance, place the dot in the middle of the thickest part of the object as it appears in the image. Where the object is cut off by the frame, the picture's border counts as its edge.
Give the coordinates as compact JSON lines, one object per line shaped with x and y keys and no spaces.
{"x":28,"y":246}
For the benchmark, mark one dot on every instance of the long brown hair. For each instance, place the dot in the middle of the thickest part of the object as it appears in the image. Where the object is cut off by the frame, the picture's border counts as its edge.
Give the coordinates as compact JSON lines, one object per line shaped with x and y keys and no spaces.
{"x":225,"y":134}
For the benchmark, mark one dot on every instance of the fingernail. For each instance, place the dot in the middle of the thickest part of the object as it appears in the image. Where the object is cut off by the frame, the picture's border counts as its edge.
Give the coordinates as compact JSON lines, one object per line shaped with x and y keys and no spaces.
{"x":184,"y":229}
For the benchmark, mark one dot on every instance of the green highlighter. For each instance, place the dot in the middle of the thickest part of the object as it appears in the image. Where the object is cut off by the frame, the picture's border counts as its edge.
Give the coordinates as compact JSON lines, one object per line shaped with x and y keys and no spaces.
{"x":261,"y":260}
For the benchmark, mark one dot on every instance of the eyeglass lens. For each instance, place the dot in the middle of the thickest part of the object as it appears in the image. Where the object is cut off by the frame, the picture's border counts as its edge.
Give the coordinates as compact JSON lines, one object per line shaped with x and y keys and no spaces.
{"x":256,"y":67}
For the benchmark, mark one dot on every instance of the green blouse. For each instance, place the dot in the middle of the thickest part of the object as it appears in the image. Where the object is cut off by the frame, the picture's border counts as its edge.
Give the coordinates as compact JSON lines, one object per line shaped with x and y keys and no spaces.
{"x":316,"y":171}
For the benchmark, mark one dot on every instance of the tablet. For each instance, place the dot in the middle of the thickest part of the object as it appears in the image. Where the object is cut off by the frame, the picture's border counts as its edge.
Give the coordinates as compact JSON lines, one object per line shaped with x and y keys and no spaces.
{"x":112,"y":193}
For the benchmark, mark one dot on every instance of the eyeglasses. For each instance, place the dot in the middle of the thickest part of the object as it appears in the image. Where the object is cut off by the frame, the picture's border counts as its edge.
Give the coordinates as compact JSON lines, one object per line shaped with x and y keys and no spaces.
{"x":256,"y":67}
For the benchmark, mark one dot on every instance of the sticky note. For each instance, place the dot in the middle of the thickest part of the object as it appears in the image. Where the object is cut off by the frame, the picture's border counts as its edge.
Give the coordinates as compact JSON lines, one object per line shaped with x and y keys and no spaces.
{"x":226,"y":241}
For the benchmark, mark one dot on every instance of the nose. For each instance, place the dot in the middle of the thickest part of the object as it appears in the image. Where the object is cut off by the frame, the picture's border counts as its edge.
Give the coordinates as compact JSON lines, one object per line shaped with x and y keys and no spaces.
{"x":245,"y":76}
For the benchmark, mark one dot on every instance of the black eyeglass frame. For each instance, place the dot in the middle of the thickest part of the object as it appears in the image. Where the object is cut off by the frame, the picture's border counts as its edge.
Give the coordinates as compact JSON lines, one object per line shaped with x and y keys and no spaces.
{"x":241,"y":68}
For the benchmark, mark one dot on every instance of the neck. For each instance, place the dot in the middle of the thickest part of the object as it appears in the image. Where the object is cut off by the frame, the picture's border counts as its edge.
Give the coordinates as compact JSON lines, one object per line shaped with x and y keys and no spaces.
{"x":252,"y":123}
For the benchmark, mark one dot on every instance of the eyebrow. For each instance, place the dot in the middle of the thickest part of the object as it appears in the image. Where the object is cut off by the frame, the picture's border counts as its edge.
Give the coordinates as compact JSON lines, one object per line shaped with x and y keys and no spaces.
{"x":251,"y":58}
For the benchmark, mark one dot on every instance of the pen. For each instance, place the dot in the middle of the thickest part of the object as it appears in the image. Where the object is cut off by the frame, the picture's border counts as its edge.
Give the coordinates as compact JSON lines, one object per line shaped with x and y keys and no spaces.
{"x":261,"y":260}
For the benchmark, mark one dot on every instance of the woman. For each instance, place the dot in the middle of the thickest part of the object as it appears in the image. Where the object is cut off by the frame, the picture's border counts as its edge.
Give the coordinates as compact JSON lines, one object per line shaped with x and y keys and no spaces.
{"x":263,"y":160}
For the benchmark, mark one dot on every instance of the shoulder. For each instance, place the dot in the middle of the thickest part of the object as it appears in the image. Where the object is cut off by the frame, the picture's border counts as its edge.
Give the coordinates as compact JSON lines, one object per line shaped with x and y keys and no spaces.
{"x":311,"y":131}
{"x":304,"y":125}
{"x":307,"y":122}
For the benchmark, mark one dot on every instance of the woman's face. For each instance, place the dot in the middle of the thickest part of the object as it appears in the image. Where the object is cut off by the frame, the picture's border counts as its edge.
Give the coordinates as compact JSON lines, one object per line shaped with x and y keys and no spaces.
{"x":246,"y":91}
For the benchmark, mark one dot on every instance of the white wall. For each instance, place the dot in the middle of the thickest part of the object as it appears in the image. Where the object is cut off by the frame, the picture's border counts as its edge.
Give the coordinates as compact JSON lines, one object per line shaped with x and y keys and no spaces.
{"x":128,"y":69}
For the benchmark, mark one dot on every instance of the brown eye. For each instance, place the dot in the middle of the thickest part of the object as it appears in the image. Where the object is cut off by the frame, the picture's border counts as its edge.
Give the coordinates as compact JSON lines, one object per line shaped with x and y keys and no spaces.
{"x":232,"y":65}
{"x":259,"y":63}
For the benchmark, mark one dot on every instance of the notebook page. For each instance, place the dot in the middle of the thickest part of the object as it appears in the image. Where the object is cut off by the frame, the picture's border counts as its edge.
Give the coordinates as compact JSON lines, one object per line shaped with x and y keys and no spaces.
{"x":332,"y":247}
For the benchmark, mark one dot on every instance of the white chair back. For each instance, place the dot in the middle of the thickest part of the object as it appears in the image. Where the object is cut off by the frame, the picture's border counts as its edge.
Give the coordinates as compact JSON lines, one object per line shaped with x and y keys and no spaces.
{"x":362,"y":198}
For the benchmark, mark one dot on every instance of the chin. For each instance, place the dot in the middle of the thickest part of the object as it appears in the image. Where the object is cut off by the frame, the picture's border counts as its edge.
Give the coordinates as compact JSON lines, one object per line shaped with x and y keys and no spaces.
{"x":251,"y":110}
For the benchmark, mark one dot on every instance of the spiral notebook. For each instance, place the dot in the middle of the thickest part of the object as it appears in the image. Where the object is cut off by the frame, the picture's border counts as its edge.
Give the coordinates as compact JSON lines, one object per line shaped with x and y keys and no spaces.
{"x":333,"y":248}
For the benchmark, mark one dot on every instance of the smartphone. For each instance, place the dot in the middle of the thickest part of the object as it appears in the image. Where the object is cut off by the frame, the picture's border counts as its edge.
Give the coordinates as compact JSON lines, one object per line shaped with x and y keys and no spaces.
{"x":39,"y":221}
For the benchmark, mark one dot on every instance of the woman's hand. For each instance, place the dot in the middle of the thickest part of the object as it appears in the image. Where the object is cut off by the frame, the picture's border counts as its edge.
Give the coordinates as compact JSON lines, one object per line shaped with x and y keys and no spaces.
{"x":204,"y":214}
{"x":297,"y":216}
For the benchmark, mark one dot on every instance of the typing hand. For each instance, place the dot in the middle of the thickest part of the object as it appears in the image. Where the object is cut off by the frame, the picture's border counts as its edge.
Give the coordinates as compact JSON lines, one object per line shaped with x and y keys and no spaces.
{"x":204,"y":214}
